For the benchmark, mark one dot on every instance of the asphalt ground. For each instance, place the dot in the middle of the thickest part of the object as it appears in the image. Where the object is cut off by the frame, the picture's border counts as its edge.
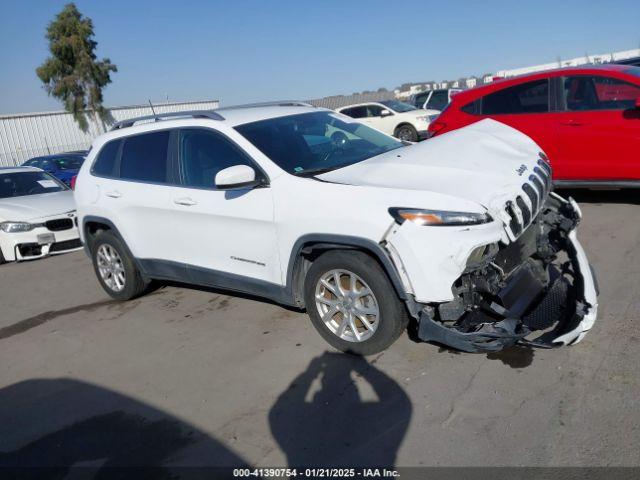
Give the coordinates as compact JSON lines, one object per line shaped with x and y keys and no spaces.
{"x":186,"y":376}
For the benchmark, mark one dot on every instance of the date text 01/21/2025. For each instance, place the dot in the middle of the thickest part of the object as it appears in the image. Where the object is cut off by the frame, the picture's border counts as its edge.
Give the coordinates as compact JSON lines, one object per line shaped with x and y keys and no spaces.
{"x":316,"y":472}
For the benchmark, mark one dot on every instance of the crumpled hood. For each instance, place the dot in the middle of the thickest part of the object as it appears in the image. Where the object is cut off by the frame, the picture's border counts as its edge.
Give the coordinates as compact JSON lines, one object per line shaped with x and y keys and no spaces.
{"x":486,"y":162}
{"x":33,"y":207}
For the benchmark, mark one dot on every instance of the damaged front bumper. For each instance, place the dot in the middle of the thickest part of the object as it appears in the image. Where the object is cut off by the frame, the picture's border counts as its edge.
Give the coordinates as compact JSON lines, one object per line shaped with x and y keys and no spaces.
{"x":539,"y":291}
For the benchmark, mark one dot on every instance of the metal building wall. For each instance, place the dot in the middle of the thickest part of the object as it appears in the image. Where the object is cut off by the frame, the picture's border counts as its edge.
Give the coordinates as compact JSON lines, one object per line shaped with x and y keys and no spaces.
{"x":28,"y":135}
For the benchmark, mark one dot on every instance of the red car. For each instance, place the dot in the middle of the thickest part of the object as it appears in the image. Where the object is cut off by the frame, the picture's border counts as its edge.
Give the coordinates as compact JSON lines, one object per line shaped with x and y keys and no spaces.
{"x":587,"y":120}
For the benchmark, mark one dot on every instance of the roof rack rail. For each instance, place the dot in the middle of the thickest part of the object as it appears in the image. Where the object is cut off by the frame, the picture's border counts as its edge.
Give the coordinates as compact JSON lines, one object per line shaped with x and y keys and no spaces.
{"x":211,"y":114}
{"x":278,"y":103}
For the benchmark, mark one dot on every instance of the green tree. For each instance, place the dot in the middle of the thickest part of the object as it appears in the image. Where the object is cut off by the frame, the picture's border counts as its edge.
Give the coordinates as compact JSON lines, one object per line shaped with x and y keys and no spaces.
{"x":72,"y":73}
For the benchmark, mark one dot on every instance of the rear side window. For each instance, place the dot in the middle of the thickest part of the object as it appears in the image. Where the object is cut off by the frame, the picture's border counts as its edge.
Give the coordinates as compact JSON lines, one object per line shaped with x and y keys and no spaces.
{"x":420,"y":99}
{"x":203,"y":154}
{"x":529,"y":97}
{"x":355,"y":112}
{"x":472,"y":108}
{"x":105,"y":164}
{"x":438,"y":100}
{"x":144,"y":157}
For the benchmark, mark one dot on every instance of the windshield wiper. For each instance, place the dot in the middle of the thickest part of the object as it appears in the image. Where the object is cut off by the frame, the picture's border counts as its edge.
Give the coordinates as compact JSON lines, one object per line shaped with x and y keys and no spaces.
{"x":314,"y":171}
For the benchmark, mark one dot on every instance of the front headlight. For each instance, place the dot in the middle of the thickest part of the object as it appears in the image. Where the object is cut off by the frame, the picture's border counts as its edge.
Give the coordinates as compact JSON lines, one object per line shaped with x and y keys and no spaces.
{"x":438,"y":218}
{"x":433,"y":117}
{"x":423,"y":118}
{"x":15,"y":227}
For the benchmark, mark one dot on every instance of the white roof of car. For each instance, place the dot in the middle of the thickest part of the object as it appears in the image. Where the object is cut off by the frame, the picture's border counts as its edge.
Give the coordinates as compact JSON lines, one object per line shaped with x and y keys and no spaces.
{"x":238,"y":116}
{"x":229,"y":116}
{"x":360,"y":105}
{"x":18,"y":169}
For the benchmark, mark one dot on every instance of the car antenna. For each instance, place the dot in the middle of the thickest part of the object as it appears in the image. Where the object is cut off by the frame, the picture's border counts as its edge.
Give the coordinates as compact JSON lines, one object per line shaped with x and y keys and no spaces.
{"x":152,"y":110}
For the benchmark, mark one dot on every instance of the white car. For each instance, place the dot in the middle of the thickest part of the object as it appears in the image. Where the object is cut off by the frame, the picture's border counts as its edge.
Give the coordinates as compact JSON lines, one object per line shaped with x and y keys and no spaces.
{"x":392,"y":117}
{"x":311,"y":209}
{"x":37,"y":215}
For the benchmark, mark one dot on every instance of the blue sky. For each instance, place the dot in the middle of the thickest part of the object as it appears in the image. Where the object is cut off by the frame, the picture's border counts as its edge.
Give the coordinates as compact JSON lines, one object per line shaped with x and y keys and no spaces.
{"x":245,"y":50}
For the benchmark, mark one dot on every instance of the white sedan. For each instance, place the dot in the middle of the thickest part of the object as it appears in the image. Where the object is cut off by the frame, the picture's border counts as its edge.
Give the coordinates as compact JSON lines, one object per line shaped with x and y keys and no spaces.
{"x":37,"y":215}
{"x":402,"y":120}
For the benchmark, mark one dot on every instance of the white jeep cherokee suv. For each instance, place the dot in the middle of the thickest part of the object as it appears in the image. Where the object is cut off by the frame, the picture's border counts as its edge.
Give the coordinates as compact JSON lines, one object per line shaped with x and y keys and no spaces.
{"x":312,"y":209}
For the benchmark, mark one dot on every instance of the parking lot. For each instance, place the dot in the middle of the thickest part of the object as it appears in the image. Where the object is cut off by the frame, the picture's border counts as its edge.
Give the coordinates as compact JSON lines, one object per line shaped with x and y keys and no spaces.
{"x":189,"y":376}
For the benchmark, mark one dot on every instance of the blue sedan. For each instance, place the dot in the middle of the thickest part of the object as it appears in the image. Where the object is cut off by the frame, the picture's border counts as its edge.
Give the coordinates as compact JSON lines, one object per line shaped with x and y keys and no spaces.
{"x":63,"y":166}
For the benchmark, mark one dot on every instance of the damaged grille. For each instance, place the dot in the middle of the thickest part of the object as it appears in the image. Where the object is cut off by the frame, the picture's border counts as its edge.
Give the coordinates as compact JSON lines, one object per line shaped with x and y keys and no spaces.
{"x":526,"y":206}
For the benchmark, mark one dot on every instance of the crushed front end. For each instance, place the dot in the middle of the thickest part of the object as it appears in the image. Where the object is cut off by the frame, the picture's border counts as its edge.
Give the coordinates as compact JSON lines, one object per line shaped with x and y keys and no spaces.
{"x":538,"y":290}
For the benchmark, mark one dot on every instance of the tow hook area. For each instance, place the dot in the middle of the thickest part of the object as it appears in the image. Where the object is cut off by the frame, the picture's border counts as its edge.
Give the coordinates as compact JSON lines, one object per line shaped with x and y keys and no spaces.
{"x":535,"y":284}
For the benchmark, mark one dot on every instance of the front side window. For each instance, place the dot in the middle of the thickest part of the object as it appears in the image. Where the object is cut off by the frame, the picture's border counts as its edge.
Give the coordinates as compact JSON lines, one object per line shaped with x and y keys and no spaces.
{"x":203,"y":154}
{"x":46,"y":165}
{"x":594,"y":92}
{"x":438,"y":100}
{"x":397,"y":106}
{"x":20,"y":184}
{"x":144,"y":157}
{"x":529,"y":97}
{"x":316,"y":142}
{"x":374,"y":110}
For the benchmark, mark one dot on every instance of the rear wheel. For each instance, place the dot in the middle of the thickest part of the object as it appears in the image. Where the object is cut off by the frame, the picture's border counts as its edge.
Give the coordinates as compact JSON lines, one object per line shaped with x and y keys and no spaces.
{"x":2,"y":260}
{"x":115,"y":269}
{"x":406,"y":133}
{"x":352,"y":303}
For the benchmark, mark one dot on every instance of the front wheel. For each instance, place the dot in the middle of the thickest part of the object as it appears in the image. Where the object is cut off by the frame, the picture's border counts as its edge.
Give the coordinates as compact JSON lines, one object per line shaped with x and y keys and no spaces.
{"x":352,"y":303}
{"x":114,"y":267}
{"x":406,"y":133}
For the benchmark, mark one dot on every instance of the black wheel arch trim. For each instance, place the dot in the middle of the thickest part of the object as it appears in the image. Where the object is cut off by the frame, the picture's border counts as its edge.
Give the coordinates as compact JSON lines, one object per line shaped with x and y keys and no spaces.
{"x":333,"y":242}
{"x":116,"y":232}
{"x":404,"y":124}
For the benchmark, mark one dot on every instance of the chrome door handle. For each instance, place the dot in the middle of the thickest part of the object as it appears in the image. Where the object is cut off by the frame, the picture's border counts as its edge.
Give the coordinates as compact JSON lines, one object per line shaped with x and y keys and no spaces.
{"x":186,"y":201}
{"x":114,"y":194}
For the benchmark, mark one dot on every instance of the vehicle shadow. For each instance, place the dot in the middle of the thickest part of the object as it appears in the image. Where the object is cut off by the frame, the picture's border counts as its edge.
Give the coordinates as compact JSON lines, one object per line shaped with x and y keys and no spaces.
{"x":628,"y":196}
{"x":64,"y":428}
{"x":159,"y":284}
{"x":341,"y":412}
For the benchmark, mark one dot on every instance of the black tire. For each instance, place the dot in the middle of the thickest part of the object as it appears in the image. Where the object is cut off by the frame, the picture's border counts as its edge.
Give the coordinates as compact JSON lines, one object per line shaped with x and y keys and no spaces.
{"x":134,"y":284}
{"x":393,"y":317}
{"x":406,"y":132}
{"x":2,"y":260}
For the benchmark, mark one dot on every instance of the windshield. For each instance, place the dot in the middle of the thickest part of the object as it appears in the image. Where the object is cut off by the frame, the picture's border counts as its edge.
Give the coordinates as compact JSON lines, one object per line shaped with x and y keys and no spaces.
{"x":69,"y":163}
{"x":397,"y":106}
{"x":20,"y":184}
{"x":316,"y":142}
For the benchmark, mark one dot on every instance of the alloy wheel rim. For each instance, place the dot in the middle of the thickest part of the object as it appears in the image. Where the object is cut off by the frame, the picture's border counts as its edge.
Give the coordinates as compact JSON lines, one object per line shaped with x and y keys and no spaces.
{"x":111,"y":268}
{"x":404,"y":134}
{"x":347,"y":305}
